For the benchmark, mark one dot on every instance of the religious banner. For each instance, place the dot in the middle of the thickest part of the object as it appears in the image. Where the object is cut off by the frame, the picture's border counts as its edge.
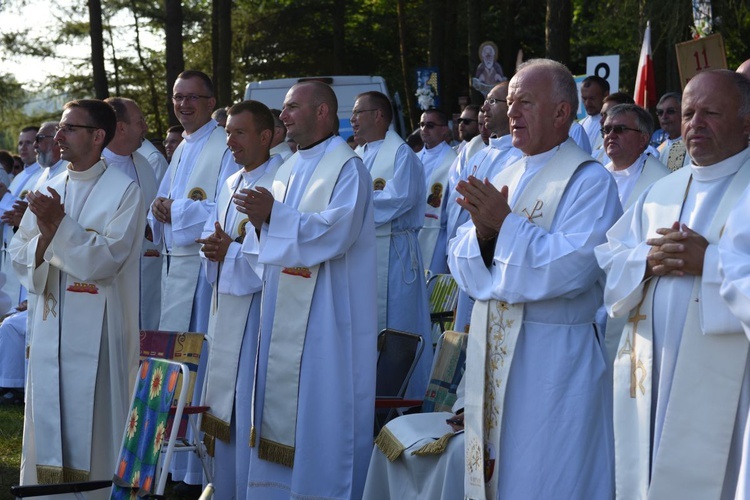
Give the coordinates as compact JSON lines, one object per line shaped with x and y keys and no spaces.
{"x":699,"y":55}
{"x":427,"y":88}
{"x":489,"y":72}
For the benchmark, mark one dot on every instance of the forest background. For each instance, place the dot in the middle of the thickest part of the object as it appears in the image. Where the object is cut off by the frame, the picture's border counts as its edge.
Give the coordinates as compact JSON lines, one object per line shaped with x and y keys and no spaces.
{"x":238,"y":41}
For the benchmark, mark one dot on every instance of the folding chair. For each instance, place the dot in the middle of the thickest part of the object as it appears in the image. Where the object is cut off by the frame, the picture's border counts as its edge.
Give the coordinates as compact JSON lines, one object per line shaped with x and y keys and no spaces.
{"x":182,"y":347}
{"x":143,"y":440}
{"x":398,"y":354}
{"x":443,"y":292}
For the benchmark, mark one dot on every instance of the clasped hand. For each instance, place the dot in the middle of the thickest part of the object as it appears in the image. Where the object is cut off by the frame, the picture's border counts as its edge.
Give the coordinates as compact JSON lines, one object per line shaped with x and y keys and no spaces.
{"x":487,"y":206}
{"x":215,"y":246}
{"x":49,"y":211}
{"x":162,"y":209}
{"x":256,"y":203}
{"x":679,"y":251}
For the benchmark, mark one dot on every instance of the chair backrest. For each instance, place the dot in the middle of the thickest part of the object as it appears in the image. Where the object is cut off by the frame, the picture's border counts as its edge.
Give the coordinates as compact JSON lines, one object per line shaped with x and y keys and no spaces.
{"x":146,"y":426}
{"x":443,"y":292}
{"x":398,"y":353}
{"x":182,"y":347}
{"x":447,"y":371}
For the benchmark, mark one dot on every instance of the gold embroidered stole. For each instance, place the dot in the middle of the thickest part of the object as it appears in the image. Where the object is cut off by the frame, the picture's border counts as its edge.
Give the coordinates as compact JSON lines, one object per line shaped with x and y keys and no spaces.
{"x":708,"y":375}
{"x":227,"y":322}
{"x":382,"y":173}
{"x":293,"y":301}
{"x":428,"y":235}
{"x":184,"y":263}
{"x":495,"y":325}
{"x":676,"y":156}
{"x":82,"y":322}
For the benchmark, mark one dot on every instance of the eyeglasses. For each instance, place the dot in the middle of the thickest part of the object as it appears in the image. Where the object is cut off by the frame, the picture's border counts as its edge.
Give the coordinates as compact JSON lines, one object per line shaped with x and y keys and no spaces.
{"x":467,"y":121}
{"x":668,"y":111}
{"x":178,"y":98}
{"x":69,"y":127}
{"x":430,"y":125}
{"x":356,"y":112}
{"x":491,"y":101}
{"x":41,"y":137}
{"x":616,"y":129}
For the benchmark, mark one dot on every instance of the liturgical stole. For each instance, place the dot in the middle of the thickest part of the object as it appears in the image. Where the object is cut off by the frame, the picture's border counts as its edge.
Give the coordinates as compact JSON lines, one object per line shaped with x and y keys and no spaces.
{"x":428,"y":235}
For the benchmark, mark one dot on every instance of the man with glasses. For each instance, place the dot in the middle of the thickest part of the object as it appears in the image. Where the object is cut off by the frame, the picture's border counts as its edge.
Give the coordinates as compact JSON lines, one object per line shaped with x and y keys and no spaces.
{"x":183,"y":203}
{"x":77,"y":251}
{"x":436,"y":157}
{"x":672,"y":152}
{"x":398,"y":191}
{"x":468,"y":126}
{"x":681,"y":383}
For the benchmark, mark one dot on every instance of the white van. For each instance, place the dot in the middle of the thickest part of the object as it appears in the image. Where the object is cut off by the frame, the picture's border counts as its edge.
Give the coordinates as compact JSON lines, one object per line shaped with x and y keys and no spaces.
{"x":272,"y":93}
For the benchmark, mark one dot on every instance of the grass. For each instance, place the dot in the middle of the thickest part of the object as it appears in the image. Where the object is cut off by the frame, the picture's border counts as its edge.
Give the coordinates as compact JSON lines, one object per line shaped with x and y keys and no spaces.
{"x":11,"y":433}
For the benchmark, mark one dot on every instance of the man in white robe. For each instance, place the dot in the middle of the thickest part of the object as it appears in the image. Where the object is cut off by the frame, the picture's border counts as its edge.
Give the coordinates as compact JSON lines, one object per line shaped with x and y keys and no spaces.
{"x":172,"y":140}
{"x":548,"y":425}
{"x":627,"y":130}
{"x":279,"y":145}
{"x":594,"y":89}
{"x":398,"y":191}
{"x":672,"y":152}
{"x":315,"y":381}
{"x":235,"y":317}
{"x":183,"y":203}
{"x":484,"y":164}
{"x":77,"y":251}
{"x":436,"y":157}
{"x":122,"y":153}
{"x":680,"y":375}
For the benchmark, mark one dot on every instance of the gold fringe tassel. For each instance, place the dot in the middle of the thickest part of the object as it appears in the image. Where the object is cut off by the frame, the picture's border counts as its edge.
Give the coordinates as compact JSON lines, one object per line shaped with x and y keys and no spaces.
{"x":252,"y":436}
{"x":435,"y":447}
{"x":209,"y":442}
{"x":389,"y":445}
{"x":213,"y":425}
{"x":276,"y":452}
{"x":46,"y":474}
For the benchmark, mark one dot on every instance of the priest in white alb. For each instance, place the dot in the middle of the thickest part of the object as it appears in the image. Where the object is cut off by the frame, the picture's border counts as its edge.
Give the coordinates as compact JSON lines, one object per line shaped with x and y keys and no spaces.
{"x":681,"y":387}
{"x":536,"y":414}
{"x":77,"y":251}
{"x":313,"y":409}
{"x":237,"y":284}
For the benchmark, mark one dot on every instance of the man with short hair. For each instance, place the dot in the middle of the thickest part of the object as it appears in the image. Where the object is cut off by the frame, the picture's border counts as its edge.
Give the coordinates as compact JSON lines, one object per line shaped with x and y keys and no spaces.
{"x":593,"y":91}
{"x":183,"y":203}
{"x":122,"y":153}
{"x":436,"y":157}
{"x":279,"y":145}
{"x":77,"y":252}
{"x":147,"y":149}
{"x":173,"y":139}
{"x":235,"y":317}
{"x":680,"y":379}
{"x":672,"y":152}
{"x":317,"y":351}
{"x":536,"y":382}
{"x":398,"y":191}
{"x":468,"y":126}
{"x":613,"y":99}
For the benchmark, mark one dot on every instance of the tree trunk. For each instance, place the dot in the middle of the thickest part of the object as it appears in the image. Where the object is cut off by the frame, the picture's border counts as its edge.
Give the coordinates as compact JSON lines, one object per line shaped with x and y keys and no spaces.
{"x":153,"y":93}
{"x":557,"y":31}
{"x":473,"y":29}
{"x":437,"y":35}
{"x":175,"y":62}
{"x":408,"y":93}
{"x":101,"y":89}
{"x":221,"y":36}
{"x":339,"y":37}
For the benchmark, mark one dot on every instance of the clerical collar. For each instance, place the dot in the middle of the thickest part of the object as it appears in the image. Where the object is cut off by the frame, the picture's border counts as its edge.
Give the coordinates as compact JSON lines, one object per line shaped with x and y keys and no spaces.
{"x":720,"y":169}
{"x":316,"y":149}
{"x":315,"y":143}
{"x":95,"y":170}
{"x":201,"y":132}
{"x":631,"y":169}
{"x":111,"y":155}
{"x":256,"y":173}
{"x":433,"y":151}
{"x":503,"y":142}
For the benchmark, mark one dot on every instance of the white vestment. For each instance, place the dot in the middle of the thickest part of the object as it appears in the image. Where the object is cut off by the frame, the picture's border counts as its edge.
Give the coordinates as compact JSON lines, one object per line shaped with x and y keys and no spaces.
{"x":592,"y":125}
{"x":485,"y":164}
{"x":155,"y":158}
{"x":399,"y":213}
{"x":337,"y":373}
{"x":624,"y":259}
{"x":235,"y":282}
{"x":84,"y":352}
{"x":137,"y":168}
{"x":579,"y":135}
{"x":283,"y":150}
{"x":436,"y":162}
{"x":734,"y":264}
{"x":556,"y":439}
{"x":13,"y":351}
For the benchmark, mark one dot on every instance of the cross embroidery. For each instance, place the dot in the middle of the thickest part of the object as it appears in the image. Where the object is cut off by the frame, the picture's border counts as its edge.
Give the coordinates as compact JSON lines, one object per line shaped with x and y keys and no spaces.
{"x":629,"y":348}
{"x":537,"y":208}
{"x":49,"y":305}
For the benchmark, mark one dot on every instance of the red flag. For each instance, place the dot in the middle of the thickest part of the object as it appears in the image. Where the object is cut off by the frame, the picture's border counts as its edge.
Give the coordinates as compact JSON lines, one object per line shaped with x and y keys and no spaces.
{"x":645,"y":85}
